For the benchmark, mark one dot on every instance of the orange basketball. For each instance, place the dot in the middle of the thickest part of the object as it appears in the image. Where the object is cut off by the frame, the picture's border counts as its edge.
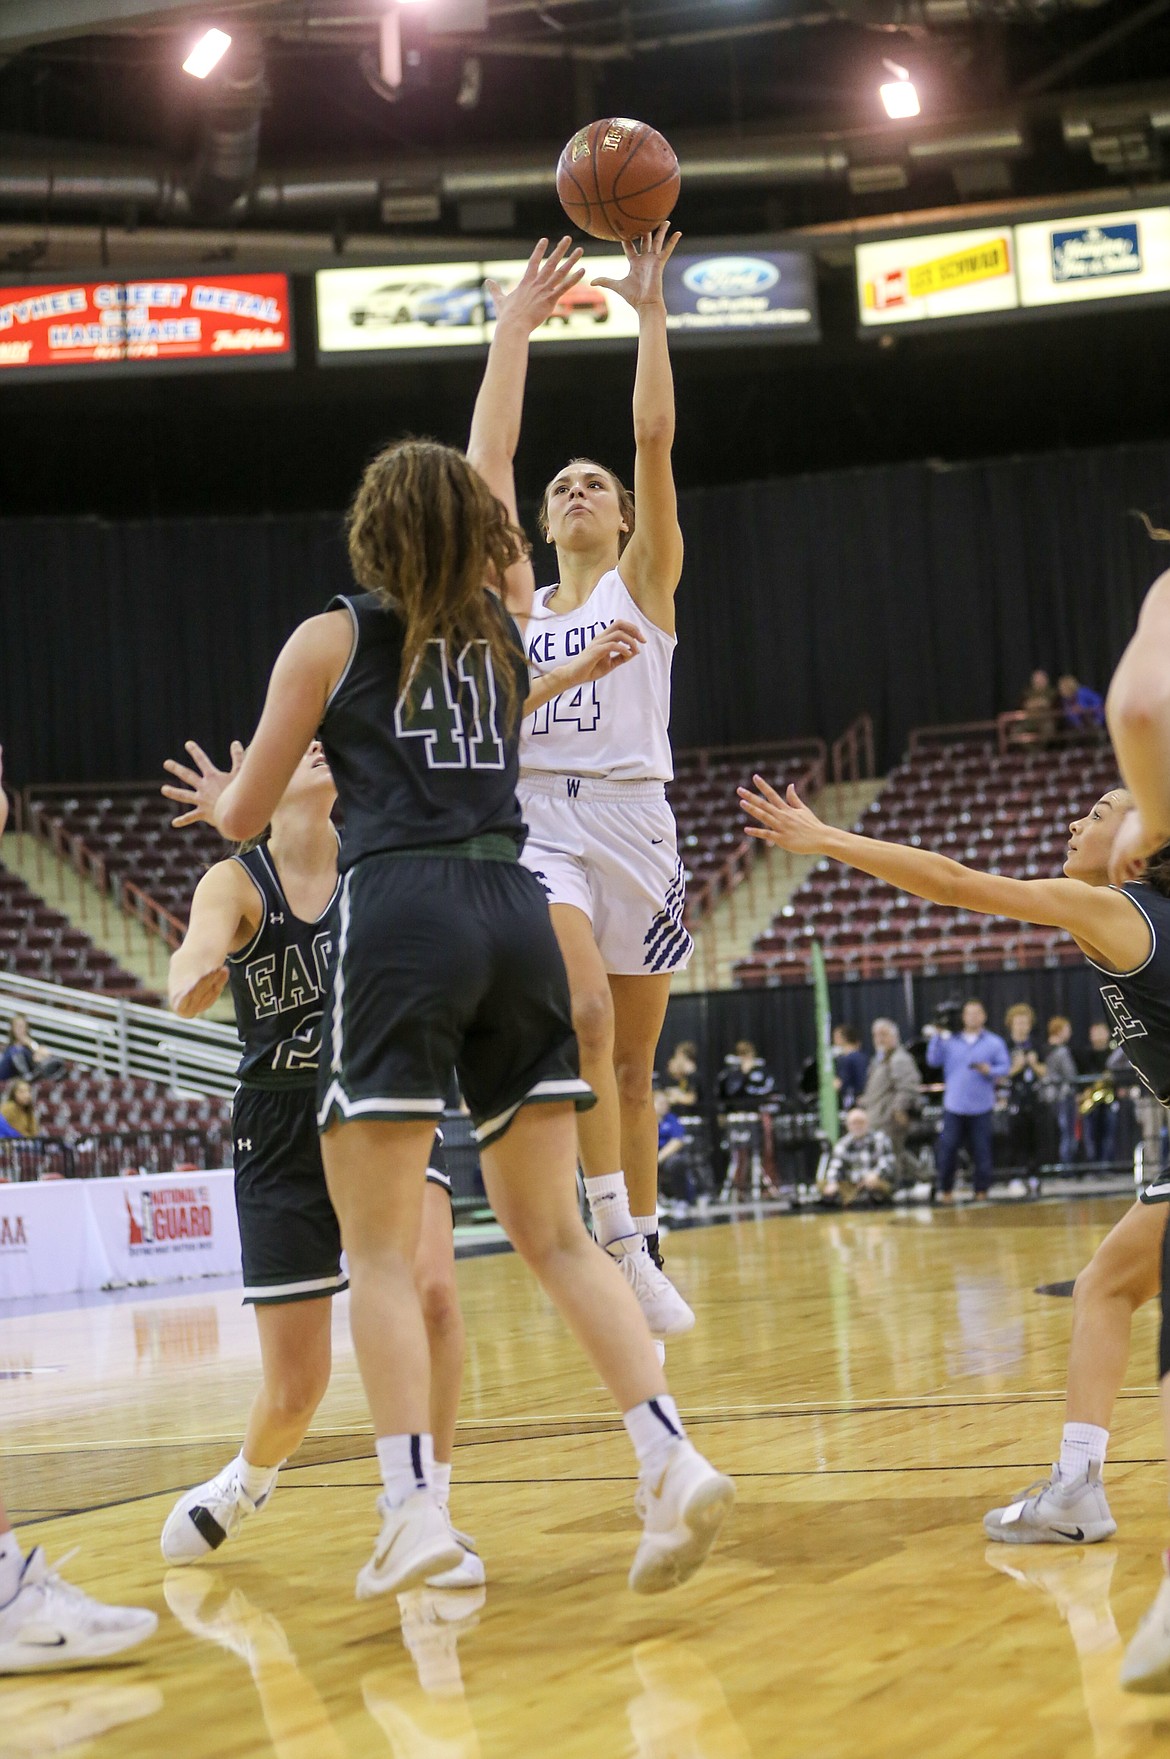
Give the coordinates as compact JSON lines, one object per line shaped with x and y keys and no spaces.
{"x":617,"y":178}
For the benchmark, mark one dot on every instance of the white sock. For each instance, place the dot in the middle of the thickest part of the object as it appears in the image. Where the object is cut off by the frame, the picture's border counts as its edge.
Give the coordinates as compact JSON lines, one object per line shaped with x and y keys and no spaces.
{"x":407,"y":1463}
{"x":1080,"y":1444}
{"x":256,"y":1481}
{"x":610,"y":1202}
{"x":11,"y":1564}
{"x":441,"y":1481}
{"x":646,"y":1224}
{"x":654,"y":1427}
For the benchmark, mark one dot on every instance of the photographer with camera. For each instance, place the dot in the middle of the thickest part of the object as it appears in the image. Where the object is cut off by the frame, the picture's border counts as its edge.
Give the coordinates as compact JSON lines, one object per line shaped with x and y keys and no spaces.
{"x":971,"y":1061}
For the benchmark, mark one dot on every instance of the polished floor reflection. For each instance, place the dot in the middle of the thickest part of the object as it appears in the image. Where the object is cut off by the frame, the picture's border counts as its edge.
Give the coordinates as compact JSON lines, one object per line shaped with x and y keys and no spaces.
{"x":873,"y":1382}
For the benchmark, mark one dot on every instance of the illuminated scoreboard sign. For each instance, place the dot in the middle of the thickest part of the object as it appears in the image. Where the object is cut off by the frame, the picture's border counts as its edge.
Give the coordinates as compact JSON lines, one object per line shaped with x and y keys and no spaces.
{"x":168,"y":322}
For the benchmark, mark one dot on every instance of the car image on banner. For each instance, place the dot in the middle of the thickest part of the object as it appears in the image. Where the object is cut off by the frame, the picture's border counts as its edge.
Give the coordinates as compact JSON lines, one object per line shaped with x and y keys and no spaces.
{"x":586,"y":313}
{"x":400,"y":306}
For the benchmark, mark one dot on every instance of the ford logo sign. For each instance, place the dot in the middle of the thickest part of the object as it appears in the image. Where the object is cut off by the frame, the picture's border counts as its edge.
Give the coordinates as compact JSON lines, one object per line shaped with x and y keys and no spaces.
{"x":730,"y":277}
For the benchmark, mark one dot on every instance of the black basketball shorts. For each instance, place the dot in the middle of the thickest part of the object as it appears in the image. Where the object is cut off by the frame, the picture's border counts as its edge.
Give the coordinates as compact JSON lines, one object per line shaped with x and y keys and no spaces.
{"x":289,"y":1238}
{"x":290,"y":1241}
{"x":446,"y":963}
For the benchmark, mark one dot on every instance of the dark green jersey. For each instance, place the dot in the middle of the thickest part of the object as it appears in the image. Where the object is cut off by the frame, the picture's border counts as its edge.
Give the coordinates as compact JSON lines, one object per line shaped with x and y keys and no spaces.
{"x":280,"y":983}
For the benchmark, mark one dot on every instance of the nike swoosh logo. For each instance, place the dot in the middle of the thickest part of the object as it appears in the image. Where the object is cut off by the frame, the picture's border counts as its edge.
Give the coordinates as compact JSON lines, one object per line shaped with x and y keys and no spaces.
{"x":1073,"y":1533}
{"x":657,"y":839}
{"x":45,"y":1642}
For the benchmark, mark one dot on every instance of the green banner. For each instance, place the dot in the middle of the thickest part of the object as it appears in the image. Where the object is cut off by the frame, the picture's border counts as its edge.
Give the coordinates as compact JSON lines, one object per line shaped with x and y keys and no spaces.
{"x":826,"y":1075}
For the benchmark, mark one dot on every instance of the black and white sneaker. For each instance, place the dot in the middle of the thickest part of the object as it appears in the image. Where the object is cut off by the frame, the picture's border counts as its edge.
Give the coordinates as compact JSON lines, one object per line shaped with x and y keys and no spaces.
{"x":1157,"y":1191}
{"x":205,"y":1518}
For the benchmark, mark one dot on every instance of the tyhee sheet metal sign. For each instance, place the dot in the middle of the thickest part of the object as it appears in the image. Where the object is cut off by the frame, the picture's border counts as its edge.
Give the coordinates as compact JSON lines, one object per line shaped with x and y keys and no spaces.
{"x":938,"y":275}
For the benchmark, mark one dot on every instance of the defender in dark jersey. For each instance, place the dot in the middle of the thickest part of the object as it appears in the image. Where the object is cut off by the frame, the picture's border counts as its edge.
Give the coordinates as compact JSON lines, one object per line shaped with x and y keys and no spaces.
{"x":1125,"y":933}
{"x":268,"y":920}
{"x":446,"y":959}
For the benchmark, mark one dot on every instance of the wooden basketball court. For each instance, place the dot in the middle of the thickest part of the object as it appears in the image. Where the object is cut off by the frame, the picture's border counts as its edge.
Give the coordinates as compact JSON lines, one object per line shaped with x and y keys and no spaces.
{"x":874,"y":1383}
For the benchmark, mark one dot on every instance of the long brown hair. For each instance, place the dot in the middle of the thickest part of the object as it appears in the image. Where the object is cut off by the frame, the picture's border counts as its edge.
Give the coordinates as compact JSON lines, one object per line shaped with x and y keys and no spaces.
{"x":428,"y":536}
{"x":625,"y":500}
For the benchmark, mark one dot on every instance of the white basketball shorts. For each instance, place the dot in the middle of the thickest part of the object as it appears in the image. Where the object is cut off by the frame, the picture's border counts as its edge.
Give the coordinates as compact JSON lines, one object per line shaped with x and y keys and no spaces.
{"x":610,"y":849}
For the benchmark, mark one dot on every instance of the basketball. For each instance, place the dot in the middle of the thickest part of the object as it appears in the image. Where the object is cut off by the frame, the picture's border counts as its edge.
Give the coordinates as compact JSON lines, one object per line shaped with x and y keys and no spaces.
{"x":617,"y":178}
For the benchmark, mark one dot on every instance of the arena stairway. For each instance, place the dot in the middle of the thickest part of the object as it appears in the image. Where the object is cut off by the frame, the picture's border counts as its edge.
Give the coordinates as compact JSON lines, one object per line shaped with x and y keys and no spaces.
{"x":728,"y":933}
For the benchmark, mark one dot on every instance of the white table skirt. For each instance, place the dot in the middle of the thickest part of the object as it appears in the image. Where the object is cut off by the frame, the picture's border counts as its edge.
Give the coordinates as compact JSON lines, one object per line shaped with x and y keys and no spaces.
{"x":67,"y":1235}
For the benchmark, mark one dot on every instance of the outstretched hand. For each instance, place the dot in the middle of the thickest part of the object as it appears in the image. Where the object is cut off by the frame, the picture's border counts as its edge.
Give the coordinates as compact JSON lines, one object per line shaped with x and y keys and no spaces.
{"x":541,"y":287}
{"x":785,"y":822}
{"x":1132,"y":845}
{"x":647,"y":257}
{"x":201,"y":787}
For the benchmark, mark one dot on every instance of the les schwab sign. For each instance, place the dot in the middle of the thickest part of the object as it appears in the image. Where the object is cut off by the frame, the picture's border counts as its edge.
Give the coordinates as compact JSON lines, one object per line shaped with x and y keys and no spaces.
{"x":177,"y":321}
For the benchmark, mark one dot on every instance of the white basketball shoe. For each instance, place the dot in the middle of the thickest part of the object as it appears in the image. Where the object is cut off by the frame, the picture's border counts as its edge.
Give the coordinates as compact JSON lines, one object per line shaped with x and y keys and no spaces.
{"x":469,"y":1572}
{"x":49,"y":1623}
{"x":205,"y":1518}
{"x":416,"y":1542}
{"x":665,"y":1311}
{"x":682,"y":1509}
{"x":1051,"y":1512}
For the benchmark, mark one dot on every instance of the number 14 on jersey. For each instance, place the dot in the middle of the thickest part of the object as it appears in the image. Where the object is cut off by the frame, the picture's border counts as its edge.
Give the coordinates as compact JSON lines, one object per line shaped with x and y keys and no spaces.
{"x":575,"y":708}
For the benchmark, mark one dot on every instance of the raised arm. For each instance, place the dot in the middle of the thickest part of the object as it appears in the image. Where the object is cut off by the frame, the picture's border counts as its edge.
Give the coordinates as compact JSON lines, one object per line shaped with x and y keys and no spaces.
{"x":1103,"y":923}
{"x":651,"y":564}
{"x":225,"y":912}
{"x":306,"y":671}
{"x":1138,"y":712}
{"x":495,"y":420}
{"x":3,"y":795}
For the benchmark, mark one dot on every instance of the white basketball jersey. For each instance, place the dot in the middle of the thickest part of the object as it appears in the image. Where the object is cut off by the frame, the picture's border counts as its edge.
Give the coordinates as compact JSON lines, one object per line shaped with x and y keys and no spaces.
{"x":617,"y":727}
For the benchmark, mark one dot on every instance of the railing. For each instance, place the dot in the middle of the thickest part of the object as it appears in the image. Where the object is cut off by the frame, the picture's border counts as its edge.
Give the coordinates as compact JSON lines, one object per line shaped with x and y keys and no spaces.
{"x":150,"y":915}
{"x":923,"y":738}
{"x":103,"y":1154}
{"x":851,"y":755}
{"x":701,"y":757}
{"x":1009,"y":731}
{"x":123,"y":1038}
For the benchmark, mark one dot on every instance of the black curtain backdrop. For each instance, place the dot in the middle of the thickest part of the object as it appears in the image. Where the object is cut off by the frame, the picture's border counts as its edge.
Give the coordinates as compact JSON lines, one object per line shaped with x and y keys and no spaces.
{"x":923,"y":593}
{"x":781,"y":1022}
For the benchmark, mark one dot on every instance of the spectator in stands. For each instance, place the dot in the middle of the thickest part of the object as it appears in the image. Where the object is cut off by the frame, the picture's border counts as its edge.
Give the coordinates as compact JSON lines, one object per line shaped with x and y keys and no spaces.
{"x":745,"y":1079}
{"x":850,"y":1065}
{"x":22,"y":1055}
{"x":971,"y":1061}
{"x":682,"y":1086}
{"x":891,"y":1095}
{"x":1025,"y":1078}
{"x":18,"y":1109}
{"x":1060,"y":1086}
{"x":1099,"y":1109}
{"x":1081,"y":709}
{"x":861,"y":1166}
{"x":1039,"y":703}
{"x":675,"y":1174}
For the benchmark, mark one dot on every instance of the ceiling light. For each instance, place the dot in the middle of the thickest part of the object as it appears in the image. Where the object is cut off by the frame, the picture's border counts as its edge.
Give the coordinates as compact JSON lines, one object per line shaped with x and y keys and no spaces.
{"x":208,"y":51}
{"x":900,"y":99}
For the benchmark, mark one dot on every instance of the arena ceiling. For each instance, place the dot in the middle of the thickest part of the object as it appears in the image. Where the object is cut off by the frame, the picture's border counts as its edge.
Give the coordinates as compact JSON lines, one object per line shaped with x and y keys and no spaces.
{"x":772,"y":104}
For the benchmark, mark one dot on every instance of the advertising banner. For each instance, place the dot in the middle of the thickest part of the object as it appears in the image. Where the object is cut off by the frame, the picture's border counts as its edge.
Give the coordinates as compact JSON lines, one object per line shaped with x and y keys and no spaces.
{"x":764,"y":290}
{"x":447,"y":305}
{"x":942,"y":275}
{"x":164,"y":1226}
{"x":1105,"y":256}
{"x":47,"y":1246}
{"x":66,"y":1235}
{"x":166,"y":322}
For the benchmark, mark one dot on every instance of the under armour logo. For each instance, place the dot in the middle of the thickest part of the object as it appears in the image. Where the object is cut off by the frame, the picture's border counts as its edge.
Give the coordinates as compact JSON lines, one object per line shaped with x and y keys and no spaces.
{"x":244,"y":1144}
{"x":276,"y":918}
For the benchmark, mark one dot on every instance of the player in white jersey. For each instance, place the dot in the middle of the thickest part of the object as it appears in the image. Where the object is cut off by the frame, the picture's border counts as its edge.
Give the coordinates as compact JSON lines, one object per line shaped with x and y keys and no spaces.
{"x":594,"y":765}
